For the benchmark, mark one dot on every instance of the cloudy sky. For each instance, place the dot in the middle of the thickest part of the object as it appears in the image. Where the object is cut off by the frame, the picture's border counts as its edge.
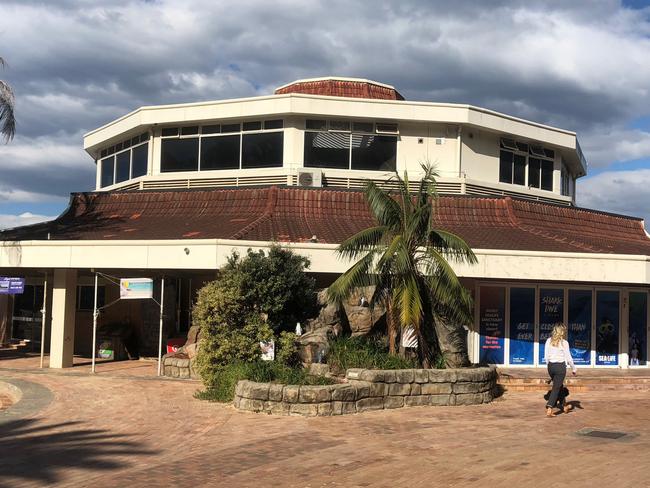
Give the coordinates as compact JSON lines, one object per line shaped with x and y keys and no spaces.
{"x":76,"y":64}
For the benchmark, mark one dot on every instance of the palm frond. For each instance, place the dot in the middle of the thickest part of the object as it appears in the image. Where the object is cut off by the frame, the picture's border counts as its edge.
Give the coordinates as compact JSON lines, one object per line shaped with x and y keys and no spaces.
{"x":362,"y":242}
{"x":360,"y":274}
{"x":385,"y":209}
{"x":7,"y":115}
{"x":451,"y":246}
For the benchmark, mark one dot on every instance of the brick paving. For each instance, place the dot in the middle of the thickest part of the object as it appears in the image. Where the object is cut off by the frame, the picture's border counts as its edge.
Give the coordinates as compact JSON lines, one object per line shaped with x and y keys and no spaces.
{"x":131,"y":431}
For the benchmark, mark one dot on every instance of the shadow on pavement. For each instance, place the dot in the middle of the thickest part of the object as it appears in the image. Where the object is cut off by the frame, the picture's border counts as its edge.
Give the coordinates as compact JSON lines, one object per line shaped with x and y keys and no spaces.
{"x":34,"y":452}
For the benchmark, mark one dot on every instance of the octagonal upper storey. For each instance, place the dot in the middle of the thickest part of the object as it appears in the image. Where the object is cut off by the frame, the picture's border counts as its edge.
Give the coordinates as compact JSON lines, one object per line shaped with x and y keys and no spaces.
{"x":340,"y":132}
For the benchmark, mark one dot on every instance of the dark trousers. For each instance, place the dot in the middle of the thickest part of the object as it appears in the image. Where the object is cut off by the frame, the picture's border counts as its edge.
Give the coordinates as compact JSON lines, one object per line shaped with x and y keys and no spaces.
{"x":557,"y":372}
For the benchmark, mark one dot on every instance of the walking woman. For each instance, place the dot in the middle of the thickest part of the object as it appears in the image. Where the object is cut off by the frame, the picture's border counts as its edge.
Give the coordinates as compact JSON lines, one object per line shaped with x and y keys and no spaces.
{"x":558,"y":356}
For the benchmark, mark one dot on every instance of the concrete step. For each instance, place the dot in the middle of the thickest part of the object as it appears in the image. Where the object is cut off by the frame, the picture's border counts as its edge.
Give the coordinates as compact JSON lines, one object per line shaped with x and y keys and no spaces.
{"x":579,"y":383}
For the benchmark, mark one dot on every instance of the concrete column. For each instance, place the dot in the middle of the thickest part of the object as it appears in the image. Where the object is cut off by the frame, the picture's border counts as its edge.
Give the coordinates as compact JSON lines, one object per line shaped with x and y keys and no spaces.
{"x":64,"y":298}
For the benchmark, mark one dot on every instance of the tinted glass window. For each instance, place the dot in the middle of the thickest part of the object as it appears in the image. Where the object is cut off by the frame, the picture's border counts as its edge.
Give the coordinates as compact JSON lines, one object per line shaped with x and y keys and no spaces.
{"x":327,"y":150}
{"x":211,"y":129}
{"x":86,"y":297}
{"x":262,"y":150}
{"x":273,"y":124}
{"x":180,"y":155}
{"x":533,"y":172}
{"x":519,"y":170}
{"x":107,"y":171}
{"x":122,"y":166}
{"x":220,"y":152}
{"x":316,"y":124}
{"x":343,"y":125}
{"x":170,"y":131}
{"x":252,"y":126}
{"x":230,"y":128}
{"x":363,"y":126}
{"x":139,"y":161}
{"x":188,"y":131}
{"x":505,"y":167}
{"x":374,"y":152}
{"x":547,"y":175}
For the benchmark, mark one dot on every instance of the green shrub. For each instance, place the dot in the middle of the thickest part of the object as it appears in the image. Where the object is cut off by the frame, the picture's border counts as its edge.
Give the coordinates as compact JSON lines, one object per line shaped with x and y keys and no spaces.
{"x":364,"y":352}
{"x":287,"y":349}
{"x":276,"y":285}
{"x":229,"y":332}
{"x":226,"y":377}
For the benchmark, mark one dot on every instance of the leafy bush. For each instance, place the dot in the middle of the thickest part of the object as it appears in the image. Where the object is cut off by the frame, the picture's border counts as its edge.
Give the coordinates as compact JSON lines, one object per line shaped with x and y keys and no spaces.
{"x":275,"y":285}
{"x":229,"y":332}
{"x":287,"y":349}
{"x":364,"y":352}
{"x":226,"y":378}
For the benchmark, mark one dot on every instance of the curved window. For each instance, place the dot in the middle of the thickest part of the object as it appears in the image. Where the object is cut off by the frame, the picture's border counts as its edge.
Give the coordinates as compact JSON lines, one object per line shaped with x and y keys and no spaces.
{"x":220,"y":152}
{"x":375,"y":153}
{"x":122,"y":166}
{"x":263,"y":150}
{"x":179,"y":155}
{"x":108,"y":171}
{"x":327,"y":150}
{"x":332,"y":145}
{"x":140,"y":156}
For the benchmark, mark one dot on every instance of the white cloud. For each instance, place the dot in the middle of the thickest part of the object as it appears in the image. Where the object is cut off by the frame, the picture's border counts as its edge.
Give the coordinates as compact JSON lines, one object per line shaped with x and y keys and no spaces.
{"x":26,"y":218}
{"x":624,"y":192}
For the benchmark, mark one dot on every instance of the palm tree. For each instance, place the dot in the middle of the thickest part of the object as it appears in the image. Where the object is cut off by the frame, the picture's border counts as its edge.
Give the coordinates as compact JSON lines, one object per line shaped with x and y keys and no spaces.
{"x":406,"y":259}
{"x":7,"y":118}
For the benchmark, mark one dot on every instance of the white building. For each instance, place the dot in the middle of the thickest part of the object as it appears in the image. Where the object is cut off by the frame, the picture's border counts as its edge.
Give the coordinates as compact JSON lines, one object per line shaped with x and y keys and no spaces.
{"x":180,"y":186}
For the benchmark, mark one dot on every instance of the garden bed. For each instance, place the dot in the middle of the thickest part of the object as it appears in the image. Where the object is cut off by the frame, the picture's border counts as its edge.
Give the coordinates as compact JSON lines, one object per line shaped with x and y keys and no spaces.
{"x":368,"y":389}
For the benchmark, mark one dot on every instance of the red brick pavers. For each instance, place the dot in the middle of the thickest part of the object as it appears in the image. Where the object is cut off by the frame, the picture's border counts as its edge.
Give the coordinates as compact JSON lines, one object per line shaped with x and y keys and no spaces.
{"x":110,"y":431}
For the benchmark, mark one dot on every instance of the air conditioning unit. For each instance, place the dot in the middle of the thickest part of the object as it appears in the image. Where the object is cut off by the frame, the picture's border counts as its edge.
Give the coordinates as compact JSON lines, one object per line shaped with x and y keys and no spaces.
{"x":312,"y":177}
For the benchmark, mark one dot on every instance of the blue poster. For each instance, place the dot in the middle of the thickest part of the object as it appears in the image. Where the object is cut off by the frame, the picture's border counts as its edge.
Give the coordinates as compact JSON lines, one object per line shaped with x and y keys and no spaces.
{"x":522,"y":325}
{"x":580,"y":325}
{"x":551,"y":312}
{"x":638,"y":345}
{"x":607,"y":326}
{"x":492,"y":324}
{"x":11,"y":286}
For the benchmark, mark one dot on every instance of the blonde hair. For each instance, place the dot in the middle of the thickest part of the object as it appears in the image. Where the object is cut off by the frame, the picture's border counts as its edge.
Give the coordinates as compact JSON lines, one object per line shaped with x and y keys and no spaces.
{"x":559,"y":333}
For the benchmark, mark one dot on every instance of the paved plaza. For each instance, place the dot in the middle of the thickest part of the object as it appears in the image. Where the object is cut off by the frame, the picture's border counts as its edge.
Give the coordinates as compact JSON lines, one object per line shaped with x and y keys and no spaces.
{"x":119,"y":429}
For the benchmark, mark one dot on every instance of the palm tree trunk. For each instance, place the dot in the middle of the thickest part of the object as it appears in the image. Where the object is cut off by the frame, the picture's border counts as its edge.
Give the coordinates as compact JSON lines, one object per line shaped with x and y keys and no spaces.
{"x":452,"y":340}
{"x":391,"y":326}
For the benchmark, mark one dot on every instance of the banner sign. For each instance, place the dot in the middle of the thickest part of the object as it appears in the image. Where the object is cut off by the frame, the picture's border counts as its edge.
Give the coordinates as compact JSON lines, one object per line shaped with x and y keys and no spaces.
{"x":522,"y":325}
{"x":492,"y":324}
{"x":11,"y":286}
{"x":580,"y":326}
{"x":551,"y":312}
{"x":607,"y":326}
{"x":638,"y":345}
{"x":136,"y":288}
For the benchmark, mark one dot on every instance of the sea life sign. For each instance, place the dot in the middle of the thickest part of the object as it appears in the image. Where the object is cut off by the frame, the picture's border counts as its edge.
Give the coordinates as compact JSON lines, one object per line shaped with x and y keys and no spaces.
{"x":136,"y":288}
{"x":11,"y":286}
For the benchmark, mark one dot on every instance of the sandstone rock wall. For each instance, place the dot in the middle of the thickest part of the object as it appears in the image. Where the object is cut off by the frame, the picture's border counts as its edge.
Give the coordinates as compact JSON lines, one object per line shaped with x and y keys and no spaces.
{"x":367,"y":390}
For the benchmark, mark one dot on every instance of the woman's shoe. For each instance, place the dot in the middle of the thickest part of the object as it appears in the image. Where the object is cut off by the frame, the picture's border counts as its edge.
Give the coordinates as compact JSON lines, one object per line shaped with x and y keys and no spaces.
{"x":549,"y":412}
{"x":567,"y":408}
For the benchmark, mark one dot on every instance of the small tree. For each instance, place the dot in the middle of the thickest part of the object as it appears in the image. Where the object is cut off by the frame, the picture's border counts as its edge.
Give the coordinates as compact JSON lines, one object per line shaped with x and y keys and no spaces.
{"x":229,"y":331}
{"x":406,"y":258}
{"x":276,"y":285}
{"x":253,"y":297}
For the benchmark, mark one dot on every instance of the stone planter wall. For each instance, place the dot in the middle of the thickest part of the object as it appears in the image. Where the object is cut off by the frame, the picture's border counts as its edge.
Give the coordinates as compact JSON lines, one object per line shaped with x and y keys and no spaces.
{"x":178,"y":366}
{"x":367,"y":390}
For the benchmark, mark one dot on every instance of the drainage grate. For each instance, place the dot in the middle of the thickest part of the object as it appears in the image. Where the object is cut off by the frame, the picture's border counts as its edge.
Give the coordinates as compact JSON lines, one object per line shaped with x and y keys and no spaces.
{"x":602,"y":434}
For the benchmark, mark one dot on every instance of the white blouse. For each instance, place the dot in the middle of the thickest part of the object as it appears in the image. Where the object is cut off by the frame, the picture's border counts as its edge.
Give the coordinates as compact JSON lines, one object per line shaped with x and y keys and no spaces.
{"x":559,"y":354}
